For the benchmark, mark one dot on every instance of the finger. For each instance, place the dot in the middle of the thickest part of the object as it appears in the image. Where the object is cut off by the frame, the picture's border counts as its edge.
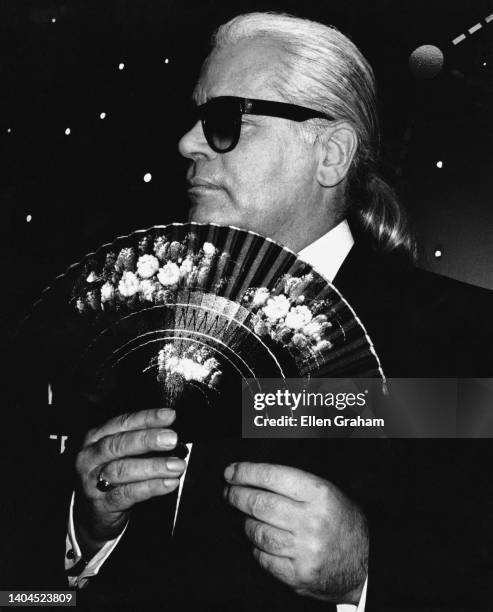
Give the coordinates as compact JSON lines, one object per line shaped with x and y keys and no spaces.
{"x":270,"y":539}
{"x":127,"y":495}
{"x":270,"y":508}
{"x":288,"y":481}
{"x":131,"y":443}
{"x":122,"y":471}
{"x":144,"y":419}
{"x":280,"y":567}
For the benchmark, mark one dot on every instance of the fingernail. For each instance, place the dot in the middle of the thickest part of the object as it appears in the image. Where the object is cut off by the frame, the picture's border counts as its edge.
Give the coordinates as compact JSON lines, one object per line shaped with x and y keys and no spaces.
{"x":175,"y":465}
{"x":167,"y":439}
{"x":170,"y":482}
{"x":229,"y":472}
{"x":164,"y":413}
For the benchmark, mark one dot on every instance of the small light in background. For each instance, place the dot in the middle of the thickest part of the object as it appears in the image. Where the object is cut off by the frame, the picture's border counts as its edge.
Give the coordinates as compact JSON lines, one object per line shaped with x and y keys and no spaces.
{"x":166,"y":61}
{"x":438,"y":253}
{"x":9,"y":130}
{"x":426,"y":61}
{"x":102,"y":116}
{"x":485,"y":63}
{"x":29,"y":218}
{"x":439,"y":164}
{"x":121,"y":66}
{"x":67,"y":132}
{"x":147,"y":177}
{"x":53,"y":20}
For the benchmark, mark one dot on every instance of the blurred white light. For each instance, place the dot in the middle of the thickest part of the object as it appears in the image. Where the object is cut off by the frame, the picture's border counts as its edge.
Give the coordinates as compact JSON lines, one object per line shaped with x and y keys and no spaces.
{"x":9,"y":130}
{"x":439,"y":164}
{"x":29,"y":218}
{"x":53,"y":20}
{"x":484,"y":63}
{"x":121,"y":66}
{"x":147,"y":177}
{"x":67,"y":132}
{"x":102,"y":116}
{"x":438,"y":254}
{"x":166,"y":61}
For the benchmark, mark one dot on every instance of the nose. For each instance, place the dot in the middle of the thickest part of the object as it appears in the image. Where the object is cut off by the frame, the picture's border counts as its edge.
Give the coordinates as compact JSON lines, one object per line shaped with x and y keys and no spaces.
{"x":193,"y":144}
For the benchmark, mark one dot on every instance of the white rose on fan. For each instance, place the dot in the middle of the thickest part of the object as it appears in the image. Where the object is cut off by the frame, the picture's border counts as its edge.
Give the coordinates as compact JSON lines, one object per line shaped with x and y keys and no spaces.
{"x":212,"y":364}
{"x":300,"y":340}
{"x":169,"y":274}
{"x":129,"y":284}
{"x":107,"y":292}
{"x":164,"y":355}
{"x":209,"y":249}
{"x":168,"y":350}
{"x":147,"y":266}
{"x":186,"y":267}
{"x":276,"y":307}
{"x":189,"y":369}
{"x":323,"y":345}
{"x":147,"y":289}
{"x":170,"y":364}
{"x":261,"y":296}
{"x":298,"y":317}
{"x":312,"y":330}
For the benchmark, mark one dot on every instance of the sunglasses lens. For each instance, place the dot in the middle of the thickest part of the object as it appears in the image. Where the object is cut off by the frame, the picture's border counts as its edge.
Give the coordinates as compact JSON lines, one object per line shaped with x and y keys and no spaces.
{"x":222,"y":124}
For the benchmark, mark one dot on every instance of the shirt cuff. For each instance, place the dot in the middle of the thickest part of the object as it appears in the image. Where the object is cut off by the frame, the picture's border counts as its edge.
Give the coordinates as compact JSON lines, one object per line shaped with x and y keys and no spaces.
{"x":73,"y":555}
{"x":361,"y":605}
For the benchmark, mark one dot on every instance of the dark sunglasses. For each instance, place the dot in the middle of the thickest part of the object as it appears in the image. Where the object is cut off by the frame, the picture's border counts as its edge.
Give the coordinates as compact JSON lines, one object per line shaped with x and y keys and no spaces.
{"x":221,"y":118}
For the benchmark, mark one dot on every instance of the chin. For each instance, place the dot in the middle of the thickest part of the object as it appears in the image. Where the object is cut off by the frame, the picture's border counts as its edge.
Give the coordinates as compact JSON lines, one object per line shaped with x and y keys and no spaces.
{"x":201,"y":213}
{"x":220,"y":214}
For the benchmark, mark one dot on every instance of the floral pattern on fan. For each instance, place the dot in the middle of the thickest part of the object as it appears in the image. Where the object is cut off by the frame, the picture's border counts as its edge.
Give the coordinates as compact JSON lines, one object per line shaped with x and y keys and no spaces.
{"x":131,"y":278}
{"x":152,"y":273}
{"x":178,"y":366}
{"x":134,"y":276}
{"x":282,"y":315}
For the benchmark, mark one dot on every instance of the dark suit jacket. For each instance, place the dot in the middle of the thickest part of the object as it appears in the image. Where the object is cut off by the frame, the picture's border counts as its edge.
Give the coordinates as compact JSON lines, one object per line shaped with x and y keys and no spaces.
{"x":429,"y":502}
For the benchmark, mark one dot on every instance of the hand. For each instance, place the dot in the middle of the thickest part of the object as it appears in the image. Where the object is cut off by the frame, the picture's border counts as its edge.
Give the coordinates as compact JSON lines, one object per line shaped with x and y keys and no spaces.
{"x":113,"y":450}
{"x":304,"y":530}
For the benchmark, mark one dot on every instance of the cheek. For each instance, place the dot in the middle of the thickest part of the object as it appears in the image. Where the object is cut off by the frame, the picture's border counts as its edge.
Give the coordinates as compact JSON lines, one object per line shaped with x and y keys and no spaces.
{"x":257,"y":175}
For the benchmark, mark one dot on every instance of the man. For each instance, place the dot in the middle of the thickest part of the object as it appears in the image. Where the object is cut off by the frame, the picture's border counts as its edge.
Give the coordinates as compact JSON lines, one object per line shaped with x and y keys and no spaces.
{"x":297,"y":174}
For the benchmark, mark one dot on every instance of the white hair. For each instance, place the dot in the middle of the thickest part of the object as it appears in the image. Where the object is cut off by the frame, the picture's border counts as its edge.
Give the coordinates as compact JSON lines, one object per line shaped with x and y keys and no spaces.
{"x":324,"y":70}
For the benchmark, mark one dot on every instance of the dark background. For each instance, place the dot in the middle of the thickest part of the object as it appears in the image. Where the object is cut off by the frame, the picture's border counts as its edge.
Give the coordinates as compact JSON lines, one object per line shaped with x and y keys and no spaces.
{"x":86,"y":188}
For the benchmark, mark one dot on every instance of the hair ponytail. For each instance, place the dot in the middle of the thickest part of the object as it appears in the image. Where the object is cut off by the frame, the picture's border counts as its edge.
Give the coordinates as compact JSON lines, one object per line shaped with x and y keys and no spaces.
{"x":377,"y":211}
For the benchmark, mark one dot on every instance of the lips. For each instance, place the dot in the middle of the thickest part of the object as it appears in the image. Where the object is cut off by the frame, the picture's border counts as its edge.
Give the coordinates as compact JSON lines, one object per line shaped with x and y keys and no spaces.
{"x":201,"y":184}
{"x":195,"y":179}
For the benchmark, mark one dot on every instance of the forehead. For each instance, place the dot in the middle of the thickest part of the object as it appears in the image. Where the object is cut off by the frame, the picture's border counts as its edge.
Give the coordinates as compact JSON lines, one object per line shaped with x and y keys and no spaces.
{"x":246,"y":69}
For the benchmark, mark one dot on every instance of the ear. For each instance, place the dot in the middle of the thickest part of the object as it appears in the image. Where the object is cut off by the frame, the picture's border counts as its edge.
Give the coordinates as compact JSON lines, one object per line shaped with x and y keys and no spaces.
{"x":336,"y":154}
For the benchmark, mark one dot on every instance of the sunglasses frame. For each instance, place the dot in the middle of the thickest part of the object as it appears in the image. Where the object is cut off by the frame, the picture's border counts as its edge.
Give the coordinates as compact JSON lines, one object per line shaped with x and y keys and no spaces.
{"x":249,"y":106}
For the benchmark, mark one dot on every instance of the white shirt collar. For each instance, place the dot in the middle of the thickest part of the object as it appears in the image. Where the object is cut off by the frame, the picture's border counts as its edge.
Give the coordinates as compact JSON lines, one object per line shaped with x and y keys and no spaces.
{"x":329,"y":251}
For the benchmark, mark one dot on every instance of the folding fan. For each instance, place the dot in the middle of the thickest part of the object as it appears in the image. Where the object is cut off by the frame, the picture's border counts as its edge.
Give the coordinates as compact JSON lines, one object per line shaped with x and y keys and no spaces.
{"x":179,"y":314}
